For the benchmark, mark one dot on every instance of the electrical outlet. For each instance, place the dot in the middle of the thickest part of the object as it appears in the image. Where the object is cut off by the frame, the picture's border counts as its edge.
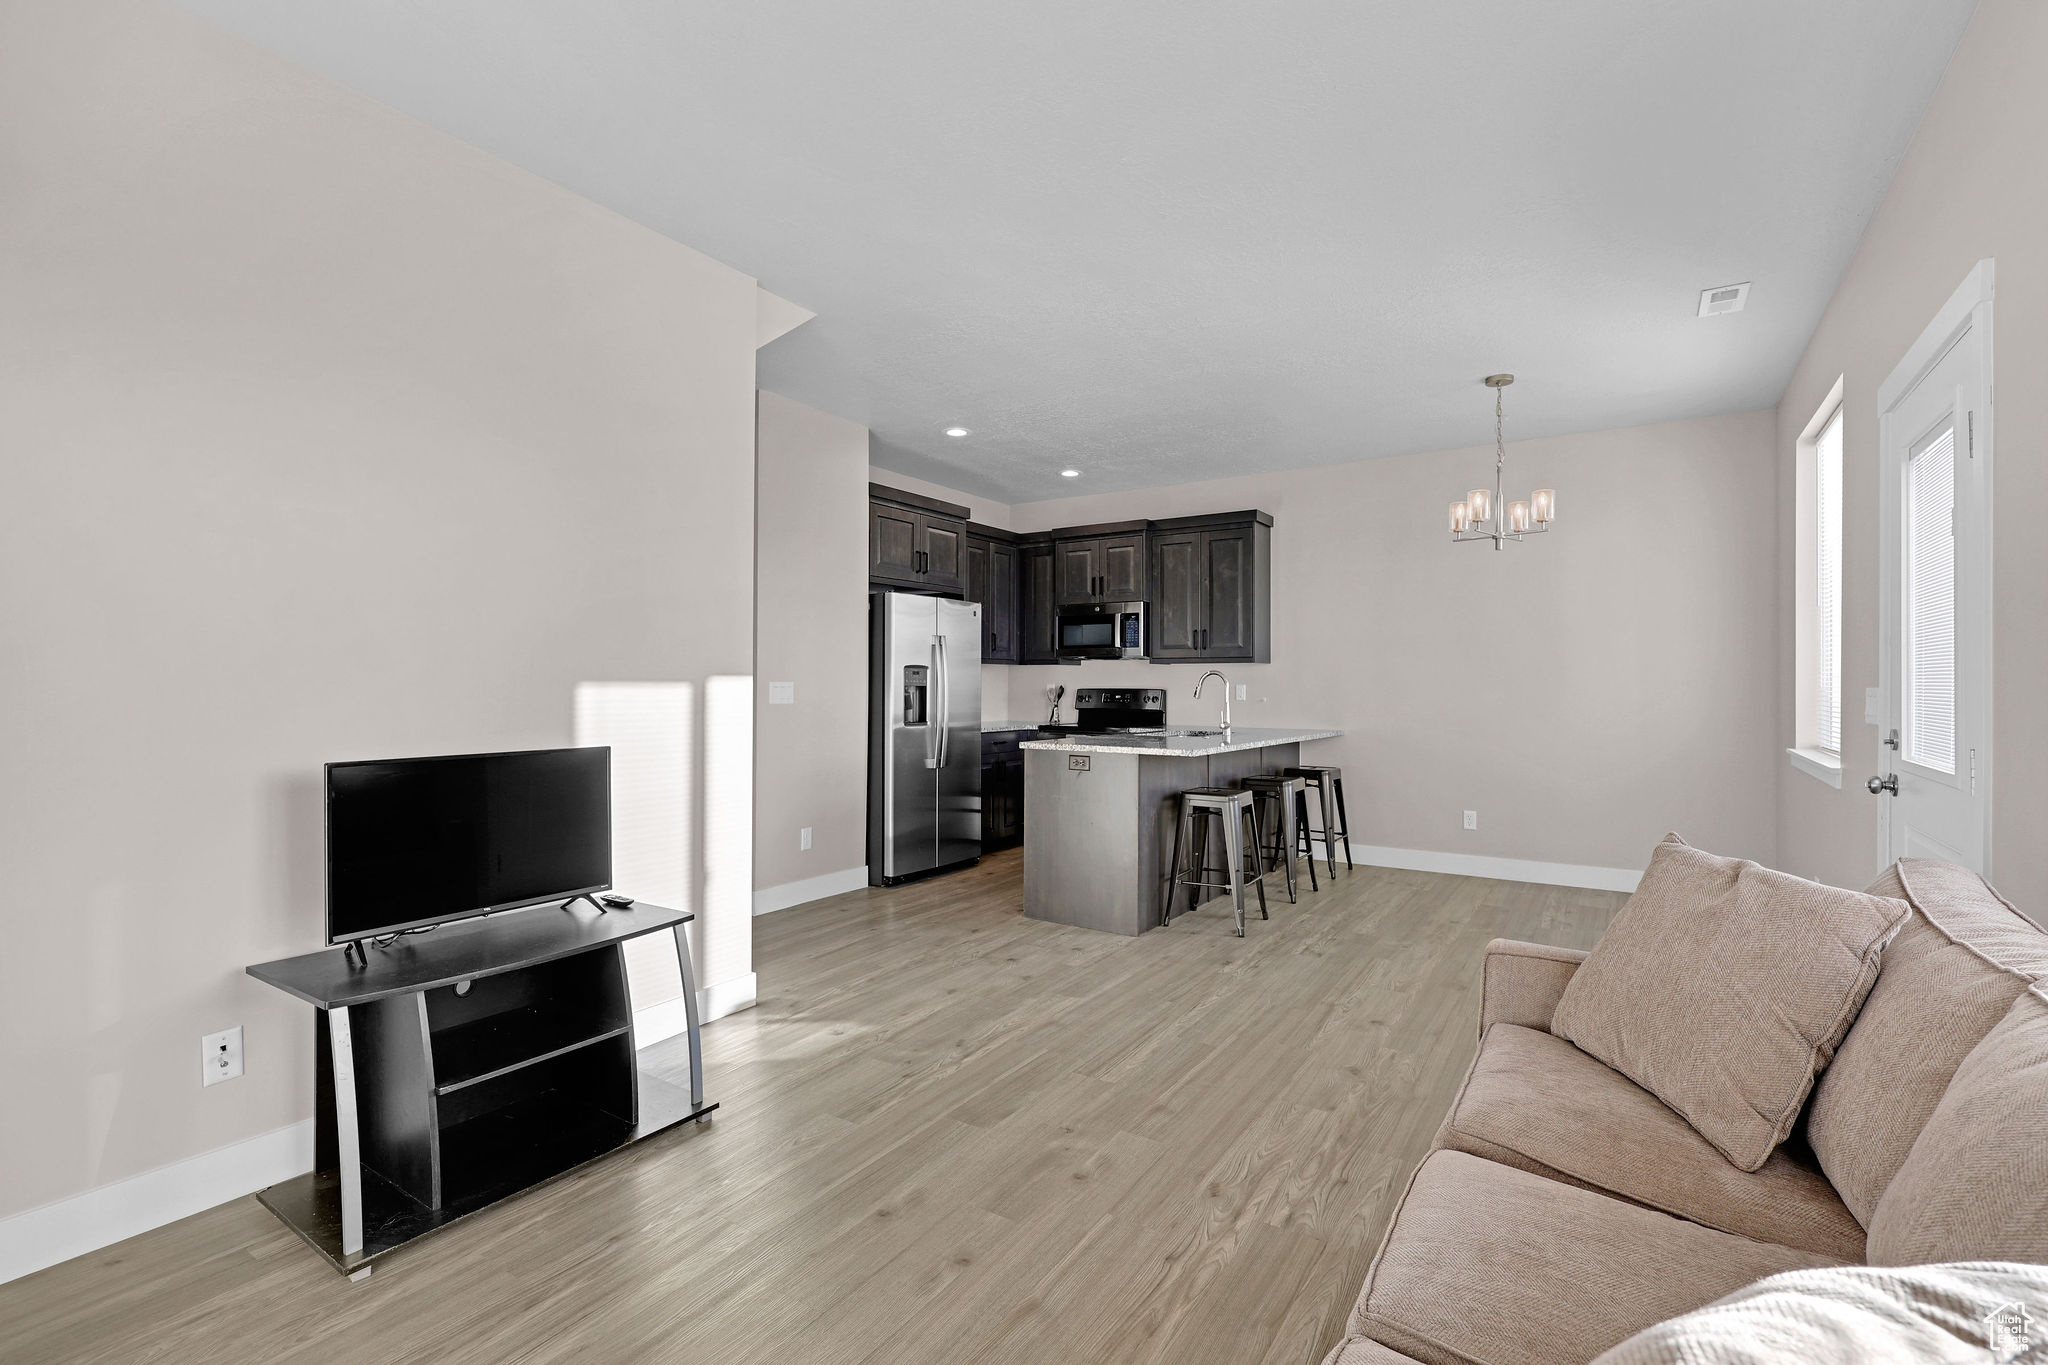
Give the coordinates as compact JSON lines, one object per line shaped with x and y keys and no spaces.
{"x":220,"y":1056}
{"x":1873,"y":706}
{"x":803,"y":839}
{"x":782,"y":694}
{"x":1241,"y":689}
{"x":1471,"y":819}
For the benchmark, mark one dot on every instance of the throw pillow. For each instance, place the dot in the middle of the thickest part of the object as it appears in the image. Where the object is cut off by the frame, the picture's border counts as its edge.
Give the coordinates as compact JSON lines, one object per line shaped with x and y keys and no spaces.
{"x":1723,"y":988}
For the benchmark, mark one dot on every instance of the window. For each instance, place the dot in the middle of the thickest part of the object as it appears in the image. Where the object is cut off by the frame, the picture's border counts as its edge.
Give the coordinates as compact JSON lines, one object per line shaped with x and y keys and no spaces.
{"x":1817,"y":741}
{"x":1827,"y":604}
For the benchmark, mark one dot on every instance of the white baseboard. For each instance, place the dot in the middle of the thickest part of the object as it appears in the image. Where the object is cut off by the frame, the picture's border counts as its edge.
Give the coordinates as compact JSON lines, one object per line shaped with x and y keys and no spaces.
{"x":769,"y":899}
{"x":1499,"y":869}
{"x":40,"y":1237}
{"x":669,"y":1018}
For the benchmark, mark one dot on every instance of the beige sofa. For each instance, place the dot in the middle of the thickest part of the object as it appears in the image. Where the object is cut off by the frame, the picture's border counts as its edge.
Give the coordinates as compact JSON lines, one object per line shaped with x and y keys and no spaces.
{"x":1563,"y":1209}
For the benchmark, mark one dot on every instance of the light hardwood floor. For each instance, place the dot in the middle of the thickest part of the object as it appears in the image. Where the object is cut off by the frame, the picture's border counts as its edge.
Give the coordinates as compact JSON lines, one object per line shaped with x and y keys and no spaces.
{"x":950,"y":1134}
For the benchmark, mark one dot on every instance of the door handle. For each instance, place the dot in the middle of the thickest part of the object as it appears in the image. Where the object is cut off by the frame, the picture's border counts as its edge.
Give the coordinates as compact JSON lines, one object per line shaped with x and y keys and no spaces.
{"x":1877,"y":786}
{"x":934,"y":728}
{"x":945,"y":701}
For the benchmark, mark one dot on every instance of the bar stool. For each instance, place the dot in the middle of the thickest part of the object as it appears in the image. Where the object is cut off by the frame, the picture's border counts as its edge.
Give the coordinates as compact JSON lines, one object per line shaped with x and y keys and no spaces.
{"x":1329,"y":786}
{"x":1290,"y":813}
{"x":1233,"y":809}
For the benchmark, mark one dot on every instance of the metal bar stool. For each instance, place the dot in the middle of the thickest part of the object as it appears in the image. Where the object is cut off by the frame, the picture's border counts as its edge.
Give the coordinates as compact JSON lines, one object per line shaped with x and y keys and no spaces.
{"x":1290,"y":813}
{"x":1233,"y":809}
{"x":1329,"y":786}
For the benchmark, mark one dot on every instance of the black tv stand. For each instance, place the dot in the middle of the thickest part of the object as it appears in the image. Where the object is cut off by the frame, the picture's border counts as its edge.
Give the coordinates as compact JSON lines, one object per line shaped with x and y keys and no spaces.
{"x":600,"y":906}
{"x":455,"y":1070}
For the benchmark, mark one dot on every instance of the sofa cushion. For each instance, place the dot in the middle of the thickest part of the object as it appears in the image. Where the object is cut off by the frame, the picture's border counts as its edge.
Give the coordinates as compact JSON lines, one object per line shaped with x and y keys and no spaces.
{"x":1969,"y":1314}
{"x":1486,"y":1263}
{"x":1534,"y":1101}
{"x":1955,"y":968}
{"x":1723,"y":988}
{"x":1975,"y":1185}
{"x":1365,"y":1351}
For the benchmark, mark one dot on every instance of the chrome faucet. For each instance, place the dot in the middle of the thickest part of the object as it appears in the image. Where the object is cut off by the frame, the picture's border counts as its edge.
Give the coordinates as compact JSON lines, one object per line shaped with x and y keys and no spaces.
{"x":1212,"y":673}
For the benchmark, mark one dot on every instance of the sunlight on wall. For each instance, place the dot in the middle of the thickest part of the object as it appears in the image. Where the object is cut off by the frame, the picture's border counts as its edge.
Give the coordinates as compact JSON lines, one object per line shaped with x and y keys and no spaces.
{"x":728,"y":828}
{"x":651,"y":727}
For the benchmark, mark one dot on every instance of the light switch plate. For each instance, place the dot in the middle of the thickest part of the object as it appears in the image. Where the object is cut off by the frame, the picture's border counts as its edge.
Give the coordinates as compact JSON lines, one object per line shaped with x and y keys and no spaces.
{"x":1873,"y":706}
{"x":782,"y":694}
{"x":1241,"y":687}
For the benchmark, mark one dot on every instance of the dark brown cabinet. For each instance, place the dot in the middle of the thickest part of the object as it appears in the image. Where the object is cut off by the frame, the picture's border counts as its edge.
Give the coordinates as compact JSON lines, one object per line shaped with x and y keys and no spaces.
{"x":990,"y":578}
{"x":916,"y":542}
{"x":1211,"y":592}
{"x":1101,"y":563}
{"x":1037,"y":601}
{"x":1207,"y":580}
{"x":1002,"y":791}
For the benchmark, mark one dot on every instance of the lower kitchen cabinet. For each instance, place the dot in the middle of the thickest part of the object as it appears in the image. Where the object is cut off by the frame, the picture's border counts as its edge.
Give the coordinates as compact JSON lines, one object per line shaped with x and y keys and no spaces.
{"x":1002,"y":791}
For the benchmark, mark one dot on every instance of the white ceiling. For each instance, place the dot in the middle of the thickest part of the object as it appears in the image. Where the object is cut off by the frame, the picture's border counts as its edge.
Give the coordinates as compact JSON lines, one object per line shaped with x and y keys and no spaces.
{"x":1163,"y":240}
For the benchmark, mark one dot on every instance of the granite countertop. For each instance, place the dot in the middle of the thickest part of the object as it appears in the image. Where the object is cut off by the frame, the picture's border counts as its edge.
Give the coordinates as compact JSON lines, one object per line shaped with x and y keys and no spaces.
{"x":1003,"y":727}
{"x":1181,"y":741}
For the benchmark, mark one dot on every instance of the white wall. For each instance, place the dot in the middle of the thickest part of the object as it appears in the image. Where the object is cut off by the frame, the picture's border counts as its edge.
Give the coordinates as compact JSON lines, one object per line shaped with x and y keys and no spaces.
{"x":325,"y":436}
{"x":1973,"y":184}
{"x":811,"y":619}
{"x":1584,"y":692}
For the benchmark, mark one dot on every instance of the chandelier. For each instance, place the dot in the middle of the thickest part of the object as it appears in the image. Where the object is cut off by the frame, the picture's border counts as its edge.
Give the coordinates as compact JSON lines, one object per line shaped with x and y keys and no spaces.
{"x":1474,"y":518}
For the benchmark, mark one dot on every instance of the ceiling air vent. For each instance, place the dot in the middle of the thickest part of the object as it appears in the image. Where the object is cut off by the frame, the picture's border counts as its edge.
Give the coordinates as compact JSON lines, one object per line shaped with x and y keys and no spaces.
{"x":1729,"y":298}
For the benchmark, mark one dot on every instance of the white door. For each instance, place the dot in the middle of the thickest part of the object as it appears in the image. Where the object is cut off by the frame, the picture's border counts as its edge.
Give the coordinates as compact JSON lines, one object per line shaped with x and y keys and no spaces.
{"x":1934,"y":461}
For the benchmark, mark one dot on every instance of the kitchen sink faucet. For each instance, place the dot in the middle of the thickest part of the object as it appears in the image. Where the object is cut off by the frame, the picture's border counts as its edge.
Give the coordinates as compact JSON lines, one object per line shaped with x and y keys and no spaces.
{"x":1213,"y":673}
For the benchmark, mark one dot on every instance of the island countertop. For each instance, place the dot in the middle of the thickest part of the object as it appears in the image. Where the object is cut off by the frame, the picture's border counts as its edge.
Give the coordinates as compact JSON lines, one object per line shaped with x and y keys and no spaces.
{"x":1181,"y":741}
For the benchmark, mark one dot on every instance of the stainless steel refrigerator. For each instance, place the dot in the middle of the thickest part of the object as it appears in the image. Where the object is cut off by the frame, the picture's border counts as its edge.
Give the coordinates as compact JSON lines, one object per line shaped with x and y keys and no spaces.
{"x":924,"y":735}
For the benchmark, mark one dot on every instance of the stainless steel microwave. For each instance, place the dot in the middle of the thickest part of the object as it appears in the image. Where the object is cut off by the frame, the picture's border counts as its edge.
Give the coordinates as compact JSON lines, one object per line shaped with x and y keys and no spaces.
{"x":1101,"y":630}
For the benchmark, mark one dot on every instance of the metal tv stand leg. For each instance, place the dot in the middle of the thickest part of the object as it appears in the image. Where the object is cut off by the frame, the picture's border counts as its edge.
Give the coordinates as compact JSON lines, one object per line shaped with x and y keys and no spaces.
{"x":347,"y":1136}
{"x":682,"y":933}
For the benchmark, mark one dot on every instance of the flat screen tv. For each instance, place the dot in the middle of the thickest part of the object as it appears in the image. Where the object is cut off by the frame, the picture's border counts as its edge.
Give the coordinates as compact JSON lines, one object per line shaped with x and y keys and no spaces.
{"x":418,"y":841}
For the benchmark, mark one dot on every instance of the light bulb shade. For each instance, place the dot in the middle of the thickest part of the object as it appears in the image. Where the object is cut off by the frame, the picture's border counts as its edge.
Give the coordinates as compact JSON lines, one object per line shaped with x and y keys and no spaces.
{"x":1480,"y":501}
{"x":1461,"y":518}
{"x":1543,"y":504}
{"x":1518,"y":516}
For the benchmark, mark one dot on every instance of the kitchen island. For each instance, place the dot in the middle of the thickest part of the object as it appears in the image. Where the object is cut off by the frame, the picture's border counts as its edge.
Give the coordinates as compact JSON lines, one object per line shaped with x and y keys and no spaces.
{"x":1099,"y":813}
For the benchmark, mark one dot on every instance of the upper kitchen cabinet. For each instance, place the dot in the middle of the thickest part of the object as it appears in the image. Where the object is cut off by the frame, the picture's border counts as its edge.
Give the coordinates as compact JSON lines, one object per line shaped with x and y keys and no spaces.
{"x":992,"y":580}
{"x":1212,"y":588}
{"x":1037,"y":597}
{"x":1102,"y":563}
{"x":916,"y":542}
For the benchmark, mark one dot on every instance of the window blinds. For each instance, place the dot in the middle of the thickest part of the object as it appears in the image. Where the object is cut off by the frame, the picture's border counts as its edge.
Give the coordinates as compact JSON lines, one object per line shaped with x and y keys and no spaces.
{"x":1930,"y":709}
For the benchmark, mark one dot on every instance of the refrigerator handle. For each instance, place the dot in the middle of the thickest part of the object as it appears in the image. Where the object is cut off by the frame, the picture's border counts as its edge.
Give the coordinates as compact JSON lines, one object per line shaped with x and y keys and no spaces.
{"x":942,"y":678}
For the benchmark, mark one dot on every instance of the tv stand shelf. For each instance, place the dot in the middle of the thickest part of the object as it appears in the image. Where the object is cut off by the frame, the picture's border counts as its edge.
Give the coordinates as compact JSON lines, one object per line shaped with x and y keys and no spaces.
{"x":459,"y":1068}
{"x":501,"y":1044}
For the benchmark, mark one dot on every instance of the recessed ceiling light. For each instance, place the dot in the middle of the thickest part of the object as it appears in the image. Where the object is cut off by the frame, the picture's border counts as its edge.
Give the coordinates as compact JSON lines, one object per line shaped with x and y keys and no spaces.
{"x":956,"y":432}
{"x":1070,"y":473}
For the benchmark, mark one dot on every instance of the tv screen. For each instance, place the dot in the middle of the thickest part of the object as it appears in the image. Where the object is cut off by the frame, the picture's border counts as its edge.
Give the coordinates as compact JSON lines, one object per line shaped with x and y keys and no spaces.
{"x":419,"y":841}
